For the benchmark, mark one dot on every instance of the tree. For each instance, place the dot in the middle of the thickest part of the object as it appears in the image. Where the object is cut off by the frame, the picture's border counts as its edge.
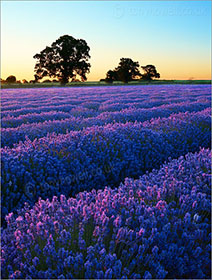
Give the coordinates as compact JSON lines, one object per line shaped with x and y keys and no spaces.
{"x":2,"y":81}
{"x":11,"y":79}
{"x":66,"y":58}
{"x":111,"y":76}
{"x":150,"y":72}
{"x":74,"y":80}
{"x":24,"y":81}
{"x":127,"y":70}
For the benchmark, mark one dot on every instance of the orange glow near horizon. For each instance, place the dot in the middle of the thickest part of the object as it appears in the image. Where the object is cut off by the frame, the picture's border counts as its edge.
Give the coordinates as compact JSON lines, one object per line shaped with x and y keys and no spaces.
{"x":170,"y":66}
{"x":173,"y":70}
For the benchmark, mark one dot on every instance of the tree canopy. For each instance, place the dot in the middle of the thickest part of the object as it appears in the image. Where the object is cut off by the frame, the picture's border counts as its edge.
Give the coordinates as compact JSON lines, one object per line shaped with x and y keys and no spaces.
{"x":149,"y":72}
{"x":128,"y":70}
{"x":11,"y":79}
{"x":111,"y":76}
{"x":66,"y":58}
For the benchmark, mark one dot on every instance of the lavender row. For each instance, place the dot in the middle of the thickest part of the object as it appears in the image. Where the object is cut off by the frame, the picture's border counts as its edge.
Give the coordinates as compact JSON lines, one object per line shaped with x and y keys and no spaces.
{"x":16,"y":102}
{"x":66,"y":108}
{"x":155,"y":227}
{"x":96,"y":156}
{"x":12,"y":121}
{"x":10,"y":136}
{"x":93,"y":108}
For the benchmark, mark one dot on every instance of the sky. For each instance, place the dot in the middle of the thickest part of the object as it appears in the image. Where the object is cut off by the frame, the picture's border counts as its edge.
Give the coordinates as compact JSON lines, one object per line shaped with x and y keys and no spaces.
{"x":175,"y":36}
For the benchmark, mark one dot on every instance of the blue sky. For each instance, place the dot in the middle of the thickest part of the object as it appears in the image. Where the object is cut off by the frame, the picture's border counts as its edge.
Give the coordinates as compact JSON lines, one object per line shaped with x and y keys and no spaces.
{"x":174,"y":36}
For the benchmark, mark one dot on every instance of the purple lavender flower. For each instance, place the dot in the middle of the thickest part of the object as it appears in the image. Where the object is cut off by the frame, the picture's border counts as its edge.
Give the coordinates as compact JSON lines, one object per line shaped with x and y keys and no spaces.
{"x":157,"y":226}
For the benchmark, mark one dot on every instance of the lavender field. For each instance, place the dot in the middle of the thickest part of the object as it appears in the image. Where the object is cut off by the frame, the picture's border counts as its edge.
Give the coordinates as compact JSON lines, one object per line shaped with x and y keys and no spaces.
{"x":106,"y":182}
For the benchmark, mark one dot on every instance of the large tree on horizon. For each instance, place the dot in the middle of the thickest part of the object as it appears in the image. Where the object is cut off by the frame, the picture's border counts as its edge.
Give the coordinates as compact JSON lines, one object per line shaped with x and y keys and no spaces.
{"x":66,"y":58}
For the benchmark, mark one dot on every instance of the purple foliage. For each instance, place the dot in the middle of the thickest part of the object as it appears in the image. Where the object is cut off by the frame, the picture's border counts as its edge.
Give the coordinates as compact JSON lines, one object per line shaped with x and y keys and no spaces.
{"x":155,"y":227}
{"x":66,"y":144}
{"x":96,"y":156}
{"x":39,"y":125}
{"x":77,"y":101}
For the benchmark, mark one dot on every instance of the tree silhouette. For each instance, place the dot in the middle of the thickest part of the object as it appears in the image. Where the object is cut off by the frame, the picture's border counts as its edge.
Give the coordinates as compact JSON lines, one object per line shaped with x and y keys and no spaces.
{"x":11,"y":79}
{"x":127,"y":70}
{"x":150,"y":72}
{"x":111,"y":76}
{"x":66,"y":58}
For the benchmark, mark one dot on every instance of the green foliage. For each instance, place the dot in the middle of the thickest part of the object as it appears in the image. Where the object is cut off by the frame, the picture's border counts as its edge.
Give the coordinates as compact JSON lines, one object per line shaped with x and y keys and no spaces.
{"x":103,"y":83}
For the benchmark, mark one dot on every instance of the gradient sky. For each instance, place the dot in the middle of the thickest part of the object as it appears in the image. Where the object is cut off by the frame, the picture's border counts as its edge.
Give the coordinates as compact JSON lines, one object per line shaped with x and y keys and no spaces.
{"x":174,"y":36}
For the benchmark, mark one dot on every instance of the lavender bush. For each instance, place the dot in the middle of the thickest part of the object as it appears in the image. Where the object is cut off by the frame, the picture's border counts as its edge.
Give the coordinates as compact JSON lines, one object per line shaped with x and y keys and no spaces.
{"x":97,"y":156}
{"x":155,"y":227}
{"x":88,"y":100}
{"x":39,"y":125}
